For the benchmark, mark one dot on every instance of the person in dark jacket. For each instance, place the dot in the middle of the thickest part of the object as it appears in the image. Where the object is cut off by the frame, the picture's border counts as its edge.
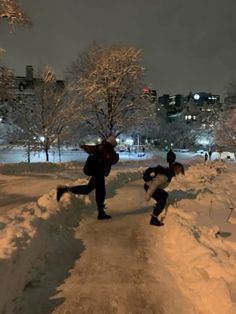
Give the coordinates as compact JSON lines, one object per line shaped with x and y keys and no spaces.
{"x":156,"y":180}
{"x":170,"y":157}
{"x":98,"y":165}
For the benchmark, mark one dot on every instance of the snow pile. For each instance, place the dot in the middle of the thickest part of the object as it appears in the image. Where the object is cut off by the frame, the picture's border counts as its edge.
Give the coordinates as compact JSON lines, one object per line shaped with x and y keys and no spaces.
{"x":194,"y":252}
{"x":29,"y":235}
{"x":199,"y":239}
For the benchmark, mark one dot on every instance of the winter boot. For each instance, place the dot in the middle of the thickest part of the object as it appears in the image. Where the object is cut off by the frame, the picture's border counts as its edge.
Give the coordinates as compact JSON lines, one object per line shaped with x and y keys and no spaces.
{"x":103,"y":215}
{"x":60,"y":191}
{"x":155,"y":222}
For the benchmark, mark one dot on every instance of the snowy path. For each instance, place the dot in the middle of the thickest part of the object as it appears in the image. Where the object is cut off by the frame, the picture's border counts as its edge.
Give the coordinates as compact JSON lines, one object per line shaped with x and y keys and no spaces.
{"x":26,"y":189}
{"x":58,"y":258}
{"x":118,"y":271}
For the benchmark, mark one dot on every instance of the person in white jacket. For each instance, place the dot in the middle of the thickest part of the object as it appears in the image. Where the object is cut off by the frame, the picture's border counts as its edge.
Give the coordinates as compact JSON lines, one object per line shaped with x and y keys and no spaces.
{"x":156,"y":180}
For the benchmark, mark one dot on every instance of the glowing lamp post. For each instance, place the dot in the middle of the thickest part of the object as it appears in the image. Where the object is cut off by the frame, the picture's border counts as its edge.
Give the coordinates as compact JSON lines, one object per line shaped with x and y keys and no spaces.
{"x":196,"y":96}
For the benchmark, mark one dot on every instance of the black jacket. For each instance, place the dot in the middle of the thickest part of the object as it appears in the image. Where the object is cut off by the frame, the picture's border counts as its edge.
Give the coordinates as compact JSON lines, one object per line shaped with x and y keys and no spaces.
{"x":170,"y":157}
{"x":98,"y":165}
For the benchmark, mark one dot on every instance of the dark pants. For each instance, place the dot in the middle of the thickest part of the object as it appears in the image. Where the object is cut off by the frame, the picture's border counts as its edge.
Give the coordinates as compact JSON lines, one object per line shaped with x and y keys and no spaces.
{"x":160,"y":196}
{"x":96,"y":182}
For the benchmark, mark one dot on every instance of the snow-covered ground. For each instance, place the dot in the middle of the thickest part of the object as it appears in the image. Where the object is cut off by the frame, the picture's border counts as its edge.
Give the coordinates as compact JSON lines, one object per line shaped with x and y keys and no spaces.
{"x":58,"y":258}
{"x":17,"y":154}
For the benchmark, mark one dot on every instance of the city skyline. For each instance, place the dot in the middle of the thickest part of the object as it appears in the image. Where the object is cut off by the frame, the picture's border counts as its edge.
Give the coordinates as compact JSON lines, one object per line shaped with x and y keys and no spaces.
{"x":186,"y":46}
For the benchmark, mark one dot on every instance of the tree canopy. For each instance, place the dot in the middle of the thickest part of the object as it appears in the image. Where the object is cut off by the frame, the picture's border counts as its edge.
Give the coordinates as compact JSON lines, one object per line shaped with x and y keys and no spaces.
{"x":12,"y":12}
{"x":106,"y":84}
{"x":225,"y":129}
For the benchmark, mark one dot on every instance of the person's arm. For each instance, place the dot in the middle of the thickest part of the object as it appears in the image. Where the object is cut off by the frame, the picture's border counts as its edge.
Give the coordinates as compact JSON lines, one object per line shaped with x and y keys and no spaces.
{"x":90,"y":149}
{"x":107,"y":169}
{"x":115,"y":158}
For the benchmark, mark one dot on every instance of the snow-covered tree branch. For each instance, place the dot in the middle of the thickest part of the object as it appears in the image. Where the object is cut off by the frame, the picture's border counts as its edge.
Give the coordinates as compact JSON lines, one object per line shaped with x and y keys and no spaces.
{"x":225,"y":129}
{"x":44,"y":118}
{"x":106,"y":85}
{"x":12,"y":12}
{"x":231,"y":88}
{"x":6,"y":83}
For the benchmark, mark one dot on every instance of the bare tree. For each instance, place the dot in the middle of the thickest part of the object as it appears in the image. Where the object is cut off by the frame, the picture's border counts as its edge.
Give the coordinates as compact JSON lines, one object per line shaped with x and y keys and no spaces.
{"x":44,"y":119}
{"x":231,"y":88}
{"x":12,"y":12}
{"x":225,"y":129}
{"x":177,"y":133}
{"x":7,"y":83}
{"x":106,"y":84}
{"x":204,"y":137}
{"x":230,"y":100}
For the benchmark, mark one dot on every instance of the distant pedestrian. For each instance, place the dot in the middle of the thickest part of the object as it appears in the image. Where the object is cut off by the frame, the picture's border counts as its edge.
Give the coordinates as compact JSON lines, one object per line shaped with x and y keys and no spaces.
{"x":170,"y":157}
{"x":206,"y":157}
{"x":156,"y":180}
{"x":210,"y":153}
{"x":97,"y":167}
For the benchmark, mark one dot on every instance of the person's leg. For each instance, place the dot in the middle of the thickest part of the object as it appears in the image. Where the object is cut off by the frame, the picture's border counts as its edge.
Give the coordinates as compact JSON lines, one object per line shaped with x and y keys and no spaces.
{"x":160,"y":196}
{"x":97,"y":183}
{"x":83,"y":189}
{"x":100,"y":191}
{"x":78,"y":189}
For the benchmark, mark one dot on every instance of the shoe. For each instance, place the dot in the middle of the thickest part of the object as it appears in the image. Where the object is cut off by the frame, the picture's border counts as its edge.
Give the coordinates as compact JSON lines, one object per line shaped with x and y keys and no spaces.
{"x":103,"y":215}
{"x":155,"y":222}
{"x":60,"y":191}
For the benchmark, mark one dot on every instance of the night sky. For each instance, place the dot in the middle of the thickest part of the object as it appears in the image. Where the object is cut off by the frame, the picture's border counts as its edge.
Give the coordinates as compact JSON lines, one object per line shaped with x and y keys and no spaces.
{"x":188,"y":45}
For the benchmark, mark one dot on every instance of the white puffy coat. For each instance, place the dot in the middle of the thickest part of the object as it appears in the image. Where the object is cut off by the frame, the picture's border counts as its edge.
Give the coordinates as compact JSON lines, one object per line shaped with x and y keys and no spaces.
{"x":160,"y":181}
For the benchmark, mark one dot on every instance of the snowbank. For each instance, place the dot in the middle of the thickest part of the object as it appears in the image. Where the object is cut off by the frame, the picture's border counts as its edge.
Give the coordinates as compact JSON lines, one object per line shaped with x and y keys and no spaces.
{"x":198,"y":240}
{"x":29,"y":235}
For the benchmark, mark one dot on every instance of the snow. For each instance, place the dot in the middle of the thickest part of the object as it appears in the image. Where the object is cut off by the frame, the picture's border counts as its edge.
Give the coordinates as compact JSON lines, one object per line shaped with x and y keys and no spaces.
{"x":58,"y":258}
{"x":16,"y":155}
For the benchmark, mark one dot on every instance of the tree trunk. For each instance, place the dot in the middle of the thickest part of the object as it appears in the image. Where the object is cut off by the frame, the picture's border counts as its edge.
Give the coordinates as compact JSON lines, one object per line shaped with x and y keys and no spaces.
{"x":47,"y":153}
{"x":46,"y":150}
{"x":28,"y":153}
{"x":59,"y":147}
